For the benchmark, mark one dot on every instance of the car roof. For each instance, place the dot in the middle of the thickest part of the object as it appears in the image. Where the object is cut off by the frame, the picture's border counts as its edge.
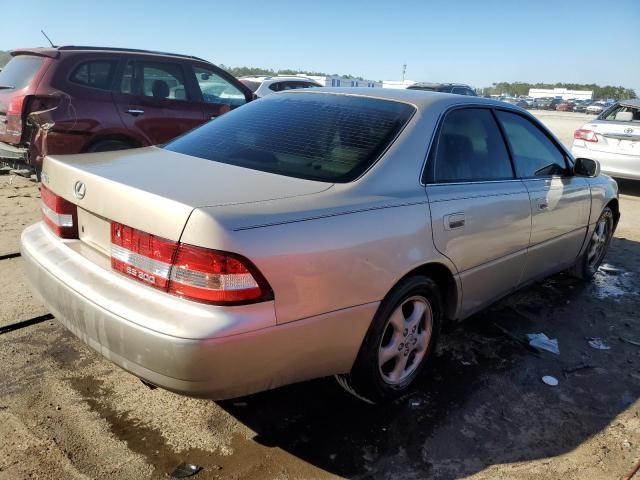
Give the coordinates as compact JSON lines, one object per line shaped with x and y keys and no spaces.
{"x":53,"y":52}
{"x":632,"y":102}
{"x":421,"y":99}
{"x":437,"y":84}
{"x":257,"y":78}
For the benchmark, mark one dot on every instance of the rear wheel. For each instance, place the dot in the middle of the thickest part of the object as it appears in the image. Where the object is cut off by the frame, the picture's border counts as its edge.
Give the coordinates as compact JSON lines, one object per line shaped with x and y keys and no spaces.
{"x":108,"y":146}
{"x":589,"y":262}
{"x":401,"y":338}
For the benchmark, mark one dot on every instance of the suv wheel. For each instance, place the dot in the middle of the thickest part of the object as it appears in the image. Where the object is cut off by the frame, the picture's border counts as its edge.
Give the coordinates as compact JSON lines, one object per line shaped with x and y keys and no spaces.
{"x":401,"y":338}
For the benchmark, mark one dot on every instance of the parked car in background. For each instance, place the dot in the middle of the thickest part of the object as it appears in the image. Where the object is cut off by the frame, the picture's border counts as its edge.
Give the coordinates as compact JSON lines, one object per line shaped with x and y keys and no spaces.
{"x":262,"y":86}
{"x":304,"y":236}
{"x":457,"y":88}
{"x":527,"y":100}
{"x":108,"y":98}
{"x":564,"y":106}
{"x":596,"y":107}
{"x":580,"y":105}
{"x":542,"y":103}
{"x":613,"y":138}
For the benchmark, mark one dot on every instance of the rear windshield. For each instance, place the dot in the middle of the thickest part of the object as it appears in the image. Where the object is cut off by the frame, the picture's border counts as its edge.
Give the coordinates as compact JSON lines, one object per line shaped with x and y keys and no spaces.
{"x":251,"y":85}
{"x":19,"y":71}
{"x":325,"y":137}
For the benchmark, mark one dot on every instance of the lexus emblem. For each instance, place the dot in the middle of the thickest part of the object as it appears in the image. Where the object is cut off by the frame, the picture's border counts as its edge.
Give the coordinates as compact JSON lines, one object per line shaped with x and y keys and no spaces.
{"x":79,"y":190}
{"x":628,"y":130}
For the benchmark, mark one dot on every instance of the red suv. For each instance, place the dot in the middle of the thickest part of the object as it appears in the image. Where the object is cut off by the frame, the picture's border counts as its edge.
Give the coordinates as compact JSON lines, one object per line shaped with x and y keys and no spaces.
{"x":107,"y":99}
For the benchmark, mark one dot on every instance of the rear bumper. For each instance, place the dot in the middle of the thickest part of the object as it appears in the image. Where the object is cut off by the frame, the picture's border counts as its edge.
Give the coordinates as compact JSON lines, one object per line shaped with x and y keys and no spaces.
{"x":193,"y":349}
{"x":613,"y":164}
{"x":10,"y":152}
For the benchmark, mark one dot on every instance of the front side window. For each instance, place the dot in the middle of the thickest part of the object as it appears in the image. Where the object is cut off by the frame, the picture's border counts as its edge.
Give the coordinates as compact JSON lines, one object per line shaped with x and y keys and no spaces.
{"x":217,"y":90}
{"x":163,"y":81}
{"x":94,"y":73}
{"x":330,"y":138}
{"x":470,"y":148}
{"x":534,"y":154}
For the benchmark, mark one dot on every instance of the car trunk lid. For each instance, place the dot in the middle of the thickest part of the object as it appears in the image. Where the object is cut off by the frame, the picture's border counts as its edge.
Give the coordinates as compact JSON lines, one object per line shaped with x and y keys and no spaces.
{"x":155,"y":190}
{"x":615,"y":137}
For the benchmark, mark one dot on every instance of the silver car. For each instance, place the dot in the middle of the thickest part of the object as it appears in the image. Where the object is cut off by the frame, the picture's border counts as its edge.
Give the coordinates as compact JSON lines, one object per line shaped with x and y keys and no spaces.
{"x":613,"y":138}
{"x":311,"y":233}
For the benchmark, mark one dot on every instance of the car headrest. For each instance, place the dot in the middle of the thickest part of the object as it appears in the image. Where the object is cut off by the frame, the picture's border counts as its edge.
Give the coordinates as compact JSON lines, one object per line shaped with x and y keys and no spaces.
{"x":160,"y":89}
{"x":624,"y":116}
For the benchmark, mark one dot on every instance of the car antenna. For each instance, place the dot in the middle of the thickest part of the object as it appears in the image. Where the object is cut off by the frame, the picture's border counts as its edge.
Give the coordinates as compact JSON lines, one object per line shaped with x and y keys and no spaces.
{"x":45,"y":36}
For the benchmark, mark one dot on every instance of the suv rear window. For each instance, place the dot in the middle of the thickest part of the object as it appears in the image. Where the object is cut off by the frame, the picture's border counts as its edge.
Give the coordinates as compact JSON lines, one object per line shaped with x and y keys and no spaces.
{"x":19,"y":71}
{"x":94,"y":73}
{"x":324,"y":137}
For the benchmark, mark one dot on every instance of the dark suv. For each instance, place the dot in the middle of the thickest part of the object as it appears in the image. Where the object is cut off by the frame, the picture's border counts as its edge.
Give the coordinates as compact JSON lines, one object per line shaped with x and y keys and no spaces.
{"x":107,"y":99}
{"x":457,"y":88}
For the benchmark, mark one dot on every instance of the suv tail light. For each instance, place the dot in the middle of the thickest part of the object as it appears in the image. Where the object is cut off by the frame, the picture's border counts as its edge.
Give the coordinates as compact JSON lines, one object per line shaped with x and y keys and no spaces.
{"x":586,"y":135}
{"x":59,"y":214}
{"x":14,"y":115}
{"x":195,"y":273}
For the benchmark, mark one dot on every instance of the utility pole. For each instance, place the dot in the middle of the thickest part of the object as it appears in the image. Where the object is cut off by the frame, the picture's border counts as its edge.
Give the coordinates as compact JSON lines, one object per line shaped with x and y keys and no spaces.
{"x":404,"y":69}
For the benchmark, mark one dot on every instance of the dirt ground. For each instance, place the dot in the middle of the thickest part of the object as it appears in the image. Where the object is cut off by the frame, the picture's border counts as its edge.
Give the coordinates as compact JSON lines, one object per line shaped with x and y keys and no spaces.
{"x":481,"y":410}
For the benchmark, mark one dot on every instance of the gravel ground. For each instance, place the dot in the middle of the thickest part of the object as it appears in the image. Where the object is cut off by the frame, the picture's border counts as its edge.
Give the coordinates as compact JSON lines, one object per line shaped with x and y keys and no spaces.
{"x":480,"y":412}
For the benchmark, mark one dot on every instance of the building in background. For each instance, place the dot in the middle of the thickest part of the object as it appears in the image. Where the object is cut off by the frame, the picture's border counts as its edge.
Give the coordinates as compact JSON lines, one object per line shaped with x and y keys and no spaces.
{"x":337,"y":81}
{"x":563,"y":93}
{"x":397,"y":83}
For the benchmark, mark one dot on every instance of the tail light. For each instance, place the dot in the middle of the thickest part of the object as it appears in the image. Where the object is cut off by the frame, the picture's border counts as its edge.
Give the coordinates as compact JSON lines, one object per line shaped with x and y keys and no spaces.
{"x":14,"y":115}
{"x":59,"y":214}
{"x":195,"y":273}
{"x":586,"y":135}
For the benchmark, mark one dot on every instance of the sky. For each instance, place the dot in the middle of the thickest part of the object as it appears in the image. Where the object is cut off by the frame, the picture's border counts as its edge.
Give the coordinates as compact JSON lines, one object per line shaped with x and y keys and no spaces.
{"x":476,"y":42}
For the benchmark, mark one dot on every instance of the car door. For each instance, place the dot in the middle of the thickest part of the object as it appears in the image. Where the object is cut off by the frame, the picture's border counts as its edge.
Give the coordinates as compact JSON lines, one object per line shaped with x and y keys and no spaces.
{"x":480,"y":214}
{"x":154,"y":101}
{"x":560,"y":201}
{"x":217,"y":94}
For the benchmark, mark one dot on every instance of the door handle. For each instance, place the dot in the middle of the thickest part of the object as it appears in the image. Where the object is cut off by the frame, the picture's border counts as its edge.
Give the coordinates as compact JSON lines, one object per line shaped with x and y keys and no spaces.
{"x":135,"y":111}
{"x":454,"y":220}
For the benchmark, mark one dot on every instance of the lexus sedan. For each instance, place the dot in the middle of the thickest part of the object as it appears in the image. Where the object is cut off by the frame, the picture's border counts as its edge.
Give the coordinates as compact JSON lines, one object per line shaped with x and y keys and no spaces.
{"x":613,"y":138}
{"x":311,"y":233}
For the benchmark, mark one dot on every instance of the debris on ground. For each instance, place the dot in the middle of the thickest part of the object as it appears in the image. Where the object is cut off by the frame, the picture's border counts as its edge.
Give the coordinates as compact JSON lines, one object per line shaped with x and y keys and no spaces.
{"x":549,"y":380}
{"x":542,"y":342}
{"x":630,"y":342}
{"x":598,"y":344}
{"x":582,"y":366}
{"x":185,"y":470}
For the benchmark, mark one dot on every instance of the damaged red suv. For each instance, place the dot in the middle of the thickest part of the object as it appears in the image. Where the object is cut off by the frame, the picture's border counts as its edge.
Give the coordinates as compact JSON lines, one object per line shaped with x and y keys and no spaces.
{"x":107,"y":99}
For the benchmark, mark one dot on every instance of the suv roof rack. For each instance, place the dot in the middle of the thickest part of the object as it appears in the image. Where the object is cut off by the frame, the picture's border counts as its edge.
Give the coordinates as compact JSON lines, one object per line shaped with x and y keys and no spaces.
{"x":132,"y":50}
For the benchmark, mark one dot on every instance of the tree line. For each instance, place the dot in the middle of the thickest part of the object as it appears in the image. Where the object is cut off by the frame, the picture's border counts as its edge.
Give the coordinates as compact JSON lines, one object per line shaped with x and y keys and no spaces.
{"x":269,"y":72}
{"x":522,"y":88}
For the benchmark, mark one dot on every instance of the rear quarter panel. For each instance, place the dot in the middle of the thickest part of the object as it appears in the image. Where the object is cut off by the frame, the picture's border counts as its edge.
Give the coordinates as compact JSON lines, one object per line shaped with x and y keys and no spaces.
{"x":331,"y":263}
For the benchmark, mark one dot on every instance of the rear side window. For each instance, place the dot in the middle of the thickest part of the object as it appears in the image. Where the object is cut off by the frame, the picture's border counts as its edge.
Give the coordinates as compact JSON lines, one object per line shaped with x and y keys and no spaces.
{"x":470,"y":148}
{"x":94,"y":73}
{"x":534,"y":154}
{"x":331,"y":138}
{"x":20,"y":70}
{"x":622,"y":113}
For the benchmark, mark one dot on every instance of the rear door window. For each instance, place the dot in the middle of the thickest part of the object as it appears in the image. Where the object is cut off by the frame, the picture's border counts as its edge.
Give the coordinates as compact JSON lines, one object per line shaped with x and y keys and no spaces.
{"x":331,"y":138}
{"x":470,"y":148}
{"x":20,"y":70}
{"x":218,"y":90}
{"x":94,"y":73}
{"x":534,"y":154}
{"x":163,"y":81}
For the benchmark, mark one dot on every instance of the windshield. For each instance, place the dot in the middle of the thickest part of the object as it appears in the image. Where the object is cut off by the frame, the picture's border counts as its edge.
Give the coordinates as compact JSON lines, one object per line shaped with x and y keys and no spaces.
{"x":331,"y":138}
{"x":19,"y":71}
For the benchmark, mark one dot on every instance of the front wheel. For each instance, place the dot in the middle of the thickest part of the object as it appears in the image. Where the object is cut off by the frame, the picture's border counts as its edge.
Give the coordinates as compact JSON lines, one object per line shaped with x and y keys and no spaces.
{"x":401,"y":338}
{"x":589,"y":262}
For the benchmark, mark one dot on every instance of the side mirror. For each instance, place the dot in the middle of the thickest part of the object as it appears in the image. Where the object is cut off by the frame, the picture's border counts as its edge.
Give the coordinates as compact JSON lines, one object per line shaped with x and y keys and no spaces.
{"x":585,"y":167}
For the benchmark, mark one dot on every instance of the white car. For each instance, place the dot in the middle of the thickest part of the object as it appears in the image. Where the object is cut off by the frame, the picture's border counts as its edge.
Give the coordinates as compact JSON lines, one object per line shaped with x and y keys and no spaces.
{"x":596,"y":107}
{"x":263,"y":86}
{"x":613,"y":138}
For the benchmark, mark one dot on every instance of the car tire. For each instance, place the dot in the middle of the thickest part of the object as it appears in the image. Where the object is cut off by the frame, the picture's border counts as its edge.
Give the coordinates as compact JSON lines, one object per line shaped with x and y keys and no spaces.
{"x":588,"y":263}
{"x":398,"y":343}
{"x":108,"y":146}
